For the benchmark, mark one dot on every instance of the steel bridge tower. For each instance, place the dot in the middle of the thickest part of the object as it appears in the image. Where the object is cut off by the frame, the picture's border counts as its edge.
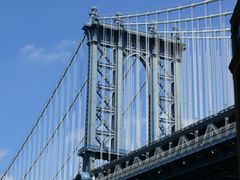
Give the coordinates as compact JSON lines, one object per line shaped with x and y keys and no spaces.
{"x":108,"y":46}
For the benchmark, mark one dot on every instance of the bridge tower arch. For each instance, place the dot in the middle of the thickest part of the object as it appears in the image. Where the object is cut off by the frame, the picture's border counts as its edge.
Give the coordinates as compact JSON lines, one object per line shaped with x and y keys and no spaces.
{"x":109,"y":45}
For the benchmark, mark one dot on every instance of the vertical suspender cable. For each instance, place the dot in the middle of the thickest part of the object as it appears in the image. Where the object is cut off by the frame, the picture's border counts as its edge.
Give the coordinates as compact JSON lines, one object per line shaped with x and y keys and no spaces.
{"x":80,"y":120}
{"x":190,"y":80}
{"x":216,"y":67}
{"x":167,"y":86}
{"x":17,"y":164}
{"x":164,"y":104}
{"x":46,"y":151}
{"x":131,"y":88}
{"x":157,"y":59}
{"x":64,"y":127}
{"x":58,"y":135}
{"x":40,"y":172}
{"x":207,"y":68}
{"x":52,"y":142}
{"x":147,"y":85}
{"x":31,"y":157}
{"x":138,"y":118}
{"x":128,"y":90}
{"x":221,"y":44}
{"x":38,"y":148}
{"x":73,"y":129}
{"x":185,"y":76}
{"x":13,"y":175}
{"x":72,"y":136}
{"x":55,"y":148}
{"x":200,"y":70}
{"x":211,"y":72}
{"x":118,"y":121}
{"x":194,"y":70}
{"x":70,"y":139}
{"x":48,"y":145}
{"x":180,"y":84}
{"x":61,"y":133}
{"x":111,"y":96}
{"x":67,"y":146}
{"x":20,"y":166}
{"x":43,"y":142}
{"x":102,"y":93}
{"x":28,"y":157}
{"x":176,"y":88}
{"x":81,"y":124}
{"x":35,"y":152}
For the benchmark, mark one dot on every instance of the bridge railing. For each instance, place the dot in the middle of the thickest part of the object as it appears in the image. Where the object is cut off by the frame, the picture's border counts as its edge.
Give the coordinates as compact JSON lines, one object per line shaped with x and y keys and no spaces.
{"x":219,"y":128}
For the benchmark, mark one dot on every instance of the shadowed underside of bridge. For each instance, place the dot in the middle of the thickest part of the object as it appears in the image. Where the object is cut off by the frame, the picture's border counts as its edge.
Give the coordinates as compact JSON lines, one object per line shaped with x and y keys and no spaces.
{"x":129,"y":102}
{"x":217,"y":162}
{"x":203,"y":166}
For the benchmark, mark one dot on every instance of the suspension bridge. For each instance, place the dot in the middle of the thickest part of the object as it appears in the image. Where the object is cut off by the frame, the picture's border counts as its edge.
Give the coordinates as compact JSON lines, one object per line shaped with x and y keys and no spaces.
{"x":145,"y":95}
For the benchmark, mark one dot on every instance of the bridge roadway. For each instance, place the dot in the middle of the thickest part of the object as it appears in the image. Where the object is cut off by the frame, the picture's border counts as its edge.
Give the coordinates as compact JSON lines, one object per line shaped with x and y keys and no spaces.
{"x":203,"y":150}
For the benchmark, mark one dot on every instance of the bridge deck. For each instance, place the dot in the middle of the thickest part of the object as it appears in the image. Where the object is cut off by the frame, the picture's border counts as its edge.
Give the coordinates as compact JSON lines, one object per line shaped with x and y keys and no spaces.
{"x":202,"y":144}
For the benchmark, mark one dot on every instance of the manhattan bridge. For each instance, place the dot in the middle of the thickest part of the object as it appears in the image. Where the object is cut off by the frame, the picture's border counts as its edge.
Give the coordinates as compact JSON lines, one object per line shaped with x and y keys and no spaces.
{"x":146,"y":95}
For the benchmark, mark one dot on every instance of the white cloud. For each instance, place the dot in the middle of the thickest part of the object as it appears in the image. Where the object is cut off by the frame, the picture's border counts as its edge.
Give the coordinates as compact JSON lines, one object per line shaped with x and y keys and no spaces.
{"x":3,"y":153}
{"x":65,"y":44}
{"x":8,"y":178}
{"x":58,"y":52}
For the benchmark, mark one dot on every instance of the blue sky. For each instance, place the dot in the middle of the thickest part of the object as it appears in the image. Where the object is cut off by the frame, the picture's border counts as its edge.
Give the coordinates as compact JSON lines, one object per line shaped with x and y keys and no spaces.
{"x":36,"y":41}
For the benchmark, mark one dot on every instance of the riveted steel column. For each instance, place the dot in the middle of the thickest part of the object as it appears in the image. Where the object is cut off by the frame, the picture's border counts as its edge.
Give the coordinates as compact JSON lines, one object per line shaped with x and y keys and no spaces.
{"x":154,"y":97}
{"x":119,"y":84}
{"x":91,"y":100}
{"x":91,"y":29}
{"x":177,"y":50}
{"x":92,"y":89}
{"x":177,"y":92}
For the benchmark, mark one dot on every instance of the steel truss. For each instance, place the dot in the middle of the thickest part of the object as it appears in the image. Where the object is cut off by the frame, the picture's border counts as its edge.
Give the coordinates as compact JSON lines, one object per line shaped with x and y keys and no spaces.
{"x":198,"y":138}
{"x":110,"y":46}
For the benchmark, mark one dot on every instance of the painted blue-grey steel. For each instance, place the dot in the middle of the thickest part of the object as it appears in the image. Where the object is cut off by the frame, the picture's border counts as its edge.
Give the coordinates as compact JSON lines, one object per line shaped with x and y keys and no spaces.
{"x":221,"y":119}
{"x":212,"y":144}
{"x":83,"y":176}
{"x":198,"y":125}
{"x":88,"y":159}
{"x":99,"y":38}
{"x":154,"y":119}
{"x":119,"y":84}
